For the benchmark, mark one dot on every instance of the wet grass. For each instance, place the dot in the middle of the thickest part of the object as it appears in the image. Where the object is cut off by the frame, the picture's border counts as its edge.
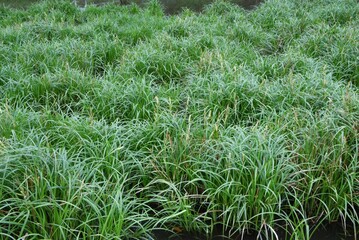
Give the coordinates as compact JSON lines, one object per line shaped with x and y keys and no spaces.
{"x":116,"y":121}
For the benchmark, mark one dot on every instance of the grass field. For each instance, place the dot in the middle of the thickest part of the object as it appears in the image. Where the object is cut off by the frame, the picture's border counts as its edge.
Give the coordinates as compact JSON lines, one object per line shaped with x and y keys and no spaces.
{"x":116,"y":121}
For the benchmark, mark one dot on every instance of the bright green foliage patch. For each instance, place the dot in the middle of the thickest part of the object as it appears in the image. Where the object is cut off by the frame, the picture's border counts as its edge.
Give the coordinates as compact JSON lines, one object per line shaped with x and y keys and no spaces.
{"x":116,"y":120}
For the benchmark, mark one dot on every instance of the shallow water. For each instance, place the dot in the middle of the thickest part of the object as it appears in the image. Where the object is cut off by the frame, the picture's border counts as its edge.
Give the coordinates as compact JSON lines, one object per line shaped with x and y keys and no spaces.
{"x":170,"y":6}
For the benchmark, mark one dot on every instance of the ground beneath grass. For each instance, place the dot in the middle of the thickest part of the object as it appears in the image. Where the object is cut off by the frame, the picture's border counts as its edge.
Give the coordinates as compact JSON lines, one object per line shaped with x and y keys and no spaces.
{"x":117,"y":121}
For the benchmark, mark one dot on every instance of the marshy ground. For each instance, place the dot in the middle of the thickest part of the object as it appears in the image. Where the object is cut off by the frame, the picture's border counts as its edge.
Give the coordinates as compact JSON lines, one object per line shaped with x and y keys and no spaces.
{"x":117,"y":121}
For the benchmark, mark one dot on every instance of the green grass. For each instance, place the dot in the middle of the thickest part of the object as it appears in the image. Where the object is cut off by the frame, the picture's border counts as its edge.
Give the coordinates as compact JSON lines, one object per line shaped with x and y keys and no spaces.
{"x":116,"y":121}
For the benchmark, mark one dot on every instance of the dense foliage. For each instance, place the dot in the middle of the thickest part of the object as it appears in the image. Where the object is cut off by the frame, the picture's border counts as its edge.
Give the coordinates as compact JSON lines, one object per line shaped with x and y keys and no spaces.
{"x":116,"y":120}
